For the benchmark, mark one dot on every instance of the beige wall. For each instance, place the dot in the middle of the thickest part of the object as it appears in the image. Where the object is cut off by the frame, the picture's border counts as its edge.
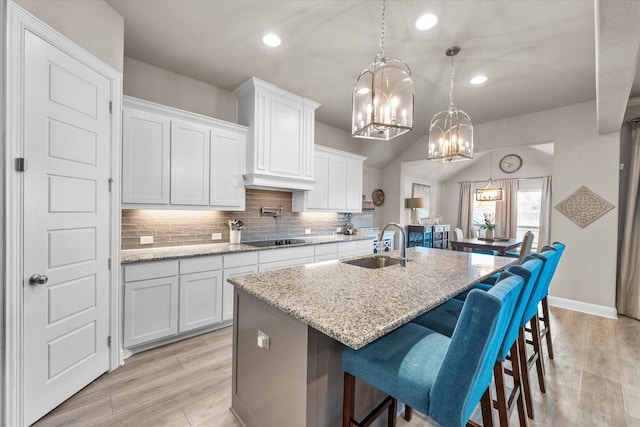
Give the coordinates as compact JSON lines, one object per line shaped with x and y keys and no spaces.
{"x":156,"y":84}
{"x":93,"y":25}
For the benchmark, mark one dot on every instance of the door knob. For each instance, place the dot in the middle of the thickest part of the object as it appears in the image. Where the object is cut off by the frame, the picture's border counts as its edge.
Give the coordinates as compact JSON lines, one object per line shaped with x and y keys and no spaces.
{"x":38,"y":279}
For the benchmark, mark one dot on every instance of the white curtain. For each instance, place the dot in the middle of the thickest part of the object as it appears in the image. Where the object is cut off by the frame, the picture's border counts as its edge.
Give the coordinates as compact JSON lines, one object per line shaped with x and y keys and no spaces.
{"x":465,"y":209}
{"x":507,"y":209}
{"x":544,"y":237}
{"x":628,"y":284}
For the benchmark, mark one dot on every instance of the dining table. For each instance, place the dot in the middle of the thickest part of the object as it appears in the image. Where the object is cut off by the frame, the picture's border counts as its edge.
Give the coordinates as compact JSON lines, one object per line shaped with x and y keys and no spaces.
{"x":501,"y":245}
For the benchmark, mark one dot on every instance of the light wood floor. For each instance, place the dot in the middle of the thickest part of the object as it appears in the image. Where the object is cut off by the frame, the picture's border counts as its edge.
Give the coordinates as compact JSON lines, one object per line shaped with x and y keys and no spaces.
{"x":594,"y":380}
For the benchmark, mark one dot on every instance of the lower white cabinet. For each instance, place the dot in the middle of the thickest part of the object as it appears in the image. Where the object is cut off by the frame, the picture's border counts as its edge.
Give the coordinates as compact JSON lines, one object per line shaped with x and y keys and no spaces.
{"x":165,"y":298}
{"x":283,"y":258}
{"x":326,"y":252}
{"x":150,"y":302}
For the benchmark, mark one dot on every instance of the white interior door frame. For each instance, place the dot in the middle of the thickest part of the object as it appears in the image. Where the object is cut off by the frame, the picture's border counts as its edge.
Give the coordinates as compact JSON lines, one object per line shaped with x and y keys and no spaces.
{"x":18,"y":21}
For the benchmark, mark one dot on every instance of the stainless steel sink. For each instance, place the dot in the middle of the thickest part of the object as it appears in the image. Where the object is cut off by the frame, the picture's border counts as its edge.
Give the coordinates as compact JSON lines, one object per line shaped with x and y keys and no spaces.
{"x":379,"y":261}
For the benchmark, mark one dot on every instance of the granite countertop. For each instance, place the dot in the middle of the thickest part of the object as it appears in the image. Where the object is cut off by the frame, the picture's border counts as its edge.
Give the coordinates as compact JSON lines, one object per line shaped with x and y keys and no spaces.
{"x":356,"y":305}
{"x":128,"y":256}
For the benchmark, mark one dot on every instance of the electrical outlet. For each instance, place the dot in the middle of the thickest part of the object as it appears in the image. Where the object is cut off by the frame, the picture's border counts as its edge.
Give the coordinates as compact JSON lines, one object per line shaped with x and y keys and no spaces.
{"x":146,"y":240}
{"x":216,"y":236}
{"x":338,"y":229}
{"x":307,"y":231}
{"x":263,"y":340}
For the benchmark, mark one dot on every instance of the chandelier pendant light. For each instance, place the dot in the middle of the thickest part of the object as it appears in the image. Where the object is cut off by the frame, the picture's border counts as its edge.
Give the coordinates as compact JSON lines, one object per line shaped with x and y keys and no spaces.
{"x":451,"y":131}
{"x":489,"y":193}
{"x":383,"y":97}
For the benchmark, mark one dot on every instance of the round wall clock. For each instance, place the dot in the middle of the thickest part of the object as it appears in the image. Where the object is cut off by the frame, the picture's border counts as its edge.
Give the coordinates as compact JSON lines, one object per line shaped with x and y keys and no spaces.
{"x":510,"y":163}
{"x":378,"y":197}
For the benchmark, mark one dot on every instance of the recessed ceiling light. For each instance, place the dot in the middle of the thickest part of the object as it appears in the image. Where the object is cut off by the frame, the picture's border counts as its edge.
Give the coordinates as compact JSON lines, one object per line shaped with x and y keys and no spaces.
{"x":426,"y":22}
{"x":271,"y":40}
{"x":478,"y":80}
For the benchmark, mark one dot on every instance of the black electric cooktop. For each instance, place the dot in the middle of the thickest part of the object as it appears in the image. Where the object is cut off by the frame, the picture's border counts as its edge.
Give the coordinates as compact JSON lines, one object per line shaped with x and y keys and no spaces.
{"x":278,"y":242}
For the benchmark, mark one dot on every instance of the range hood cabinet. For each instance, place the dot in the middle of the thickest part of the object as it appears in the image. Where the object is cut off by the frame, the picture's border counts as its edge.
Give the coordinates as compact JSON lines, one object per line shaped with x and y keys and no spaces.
{"x":281,"y":136}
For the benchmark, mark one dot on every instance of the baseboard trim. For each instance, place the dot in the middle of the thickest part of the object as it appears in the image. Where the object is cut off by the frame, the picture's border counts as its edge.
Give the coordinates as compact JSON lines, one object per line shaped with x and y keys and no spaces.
{"x":583,"y":307}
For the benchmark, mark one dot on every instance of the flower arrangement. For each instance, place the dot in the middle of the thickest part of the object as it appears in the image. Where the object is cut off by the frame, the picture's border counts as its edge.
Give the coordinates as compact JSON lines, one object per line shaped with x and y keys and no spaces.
{"x":235,"y":224}
{"x":489,"y":223}
{"x":348,"y":228}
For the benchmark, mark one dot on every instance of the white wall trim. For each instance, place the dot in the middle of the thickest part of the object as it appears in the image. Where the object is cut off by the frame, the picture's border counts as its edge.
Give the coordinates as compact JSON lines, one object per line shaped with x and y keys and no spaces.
{"x":583,"y":307}
{"x":19,"y":21}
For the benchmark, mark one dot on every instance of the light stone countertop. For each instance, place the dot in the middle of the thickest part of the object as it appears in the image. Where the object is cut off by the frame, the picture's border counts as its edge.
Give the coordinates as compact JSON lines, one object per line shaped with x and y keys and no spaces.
{"x":356,"y":305}
{"x":128,"y":256}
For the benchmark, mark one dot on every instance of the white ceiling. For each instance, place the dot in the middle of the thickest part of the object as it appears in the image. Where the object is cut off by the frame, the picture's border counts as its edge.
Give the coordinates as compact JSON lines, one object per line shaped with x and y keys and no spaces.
{"x":537,"y":54}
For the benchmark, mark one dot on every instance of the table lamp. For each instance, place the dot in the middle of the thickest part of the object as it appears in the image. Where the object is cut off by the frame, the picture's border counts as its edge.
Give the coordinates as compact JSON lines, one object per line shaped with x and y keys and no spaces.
{"x":414,"y":203}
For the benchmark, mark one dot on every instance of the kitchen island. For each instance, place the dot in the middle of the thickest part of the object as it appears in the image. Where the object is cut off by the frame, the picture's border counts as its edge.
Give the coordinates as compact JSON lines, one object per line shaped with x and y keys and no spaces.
{"x":290,"y":327}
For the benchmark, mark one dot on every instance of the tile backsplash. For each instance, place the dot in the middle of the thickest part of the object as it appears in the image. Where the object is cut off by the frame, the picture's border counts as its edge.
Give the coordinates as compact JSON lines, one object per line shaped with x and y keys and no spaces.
{"x":194,"y":227}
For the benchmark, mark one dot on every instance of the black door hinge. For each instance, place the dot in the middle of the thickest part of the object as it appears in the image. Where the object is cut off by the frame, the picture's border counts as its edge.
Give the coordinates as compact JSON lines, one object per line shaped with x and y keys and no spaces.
{"x":21,"y":164}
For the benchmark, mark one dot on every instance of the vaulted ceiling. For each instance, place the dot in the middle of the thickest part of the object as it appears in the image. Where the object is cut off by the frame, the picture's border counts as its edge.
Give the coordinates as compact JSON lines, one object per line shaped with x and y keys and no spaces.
{"x":536,"y":54}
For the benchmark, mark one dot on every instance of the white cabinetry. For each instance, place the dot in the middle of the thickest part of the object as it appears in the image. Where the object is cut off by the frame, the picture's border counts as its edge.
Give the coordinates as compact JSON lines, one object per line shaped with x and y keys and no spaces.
{"x":338,"y":185}
{"x":281,"y":134}
{"x":283,"y":258}
{"x":172,"y":157}
{"x":200,"y":292}
{"x":145,"y":157}
{"x":326,"y":252}
{"x":150,"y":302}
{"x":189,"y":164}
{"x":234,"y":265}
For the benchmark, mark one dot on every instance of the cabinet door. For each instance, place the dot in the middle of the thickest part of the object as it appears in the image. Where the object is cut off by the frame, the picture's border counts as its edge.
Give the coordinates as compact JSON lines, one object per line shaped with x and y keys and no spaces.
{"x":150,"y":310}
{"x":354,"y":185}
{"x":318,"y":198}
{"x":189,"y":164}
{"x":284,"y":145}
{"x":145,"y":157}
{"x":227,"y":288}
{"x":227,"y":166}
{"x":200,"y":300}
{"x":337,"y":183}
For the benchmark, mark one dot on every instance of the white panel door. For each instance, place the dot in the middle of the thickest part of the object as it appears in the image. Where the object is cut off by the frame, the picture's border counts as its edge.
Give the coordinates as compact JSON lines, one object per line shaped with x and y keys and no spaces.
{"x":66,"y":233}
{"x":189,"y":164}
{"x":145,"y":157}
{"x":228,"y":164}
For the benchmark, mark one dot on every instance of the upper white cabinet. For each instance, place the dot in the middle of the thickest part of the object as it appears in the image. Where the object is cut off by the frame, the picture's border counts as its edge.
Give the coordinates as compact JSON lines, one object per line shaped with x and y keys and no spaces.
{"x":189,"y":163}
{"x":338,"y":183}
{"x":281,"y":133}
{"x":172,"y":157}
{"x":145,"y":157}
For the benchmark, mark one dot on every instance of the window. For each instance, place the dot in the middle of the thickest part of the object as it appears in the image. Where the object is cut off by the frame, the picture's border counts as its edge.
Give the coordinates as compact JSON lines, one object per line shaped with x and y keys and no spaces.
{"x":529,"y":203}
{"x":529,"y":199}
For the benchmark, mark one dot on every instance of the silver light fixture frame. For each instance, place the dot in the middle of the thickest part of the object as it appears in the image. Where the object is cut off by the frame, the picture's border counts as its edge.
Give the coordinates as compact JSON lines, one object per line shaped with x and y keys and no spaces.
{"x":383,"y":97}
{"x":451,"y":130}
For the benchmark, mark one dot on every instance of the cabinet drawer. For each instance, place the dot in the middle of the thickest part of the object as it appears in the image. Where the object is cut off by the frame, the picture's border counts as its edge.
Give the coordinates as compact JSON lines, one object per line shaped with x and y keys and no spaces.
{"x":327,"y":249}
{"x":198,"y":264}
{"x":268,"y":266}
{"x":326,"y":257}
{"x":286,"y":254}
{"x":347,"y":247}
{"x":150,"y":270}
{"x":240,"y":260}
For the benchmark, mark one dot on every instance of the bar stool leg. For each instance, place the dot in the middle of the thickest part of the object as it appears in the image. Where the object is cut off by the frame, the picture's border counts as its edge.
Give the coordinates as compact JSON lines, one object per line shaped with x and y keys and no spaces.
{"x":524,"y":372}
{"x":546,"y":331}
{"x":535,"y":335}
{"x":348,"y":402}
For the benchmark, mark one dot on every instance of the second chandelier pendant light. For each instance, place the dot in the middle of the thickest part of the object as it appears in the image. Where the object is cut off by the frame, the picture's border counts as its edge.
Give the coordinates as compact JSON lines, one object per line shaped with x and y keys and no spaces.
{"x":383,"y":97}
{"x":451,"y":131}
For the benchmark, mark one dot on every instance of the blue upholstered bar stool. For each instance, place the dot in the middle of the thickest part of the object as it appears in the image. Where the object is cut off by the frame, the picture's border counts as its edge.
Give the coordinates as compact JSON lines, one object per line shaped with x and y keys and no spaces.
{"x":442,"y":377}
{"x":444,"y":318}
{"x":545,"y":330}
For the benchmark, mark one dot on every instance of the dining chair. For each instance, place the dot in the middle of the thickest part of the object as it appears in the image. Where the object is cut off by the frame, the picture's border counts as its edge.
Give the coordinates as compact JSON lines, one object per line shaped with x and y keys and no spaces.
{"x":444,"y":318}
{"x":457,"y":235}
{"x":525,"y":248}
{"x":442,"y":377}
